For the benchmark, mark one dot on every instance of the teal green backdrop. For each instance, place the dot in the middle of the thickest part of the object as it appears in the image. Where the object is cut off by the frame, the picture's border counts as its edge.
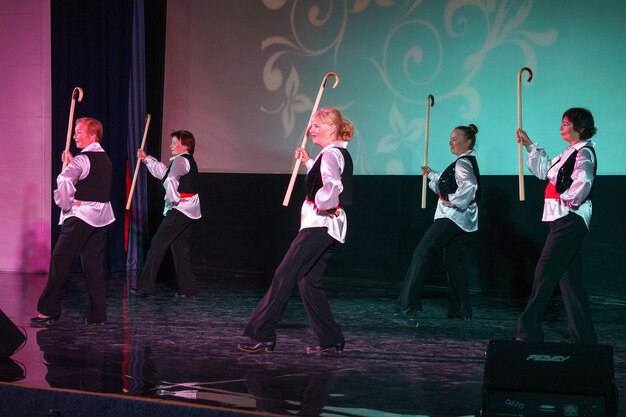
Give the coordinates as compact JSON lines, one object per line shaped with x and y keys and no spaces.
{"x":243,"y":77}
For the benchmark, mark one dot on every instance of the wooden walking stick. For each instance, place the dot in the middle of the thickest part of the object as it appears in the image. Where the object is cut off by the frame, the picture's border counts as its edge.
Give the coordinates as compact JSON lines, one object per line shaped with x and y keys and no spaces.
{"x":77,"y":94}
{"x":134,"y":182}
{"x":430,"y":102}
{"x":296,"y":166}
{"x":520,"y":163}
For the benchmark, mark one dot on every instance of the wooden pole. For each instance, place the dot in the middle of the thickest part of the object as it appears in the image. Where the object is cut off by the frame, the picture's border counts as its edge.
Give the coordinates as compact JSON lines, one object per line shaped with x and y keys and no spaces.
{"x":430,"y":102}
{"x":520,"y":162}
{"x":138,"y":164}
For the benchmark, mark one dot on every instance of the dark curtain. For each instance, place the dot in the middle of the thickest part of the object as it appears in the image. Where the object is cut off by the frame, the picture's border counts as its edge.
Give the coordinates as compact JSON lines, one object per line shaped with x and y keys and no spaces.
{"x":154,"y":26}
{"x":146,"y":80}
{"x":92,"y":47}
{"x":136,"y":220}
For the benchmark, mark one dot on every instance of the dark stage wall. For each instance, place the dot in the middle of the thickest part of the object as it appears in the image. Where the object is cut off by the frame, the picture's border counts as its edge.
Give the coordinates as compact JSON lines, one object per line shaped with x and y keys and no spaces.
{"x":245,"y":228}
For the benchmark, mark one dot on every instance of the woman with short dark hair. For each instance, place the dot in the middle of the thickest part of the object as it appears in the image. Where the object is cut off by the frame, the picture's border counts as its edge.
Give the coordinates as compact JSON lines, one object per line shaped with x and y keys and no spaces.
{"x":567,"y":209}
{"x":182,"y":208}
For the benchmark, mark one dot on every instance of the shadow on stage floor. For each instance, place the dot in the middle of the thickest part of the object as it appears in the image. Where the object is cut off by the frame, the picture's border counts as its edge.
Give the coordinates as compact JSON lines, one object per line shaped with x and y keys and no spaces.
{"x":181,"y":352}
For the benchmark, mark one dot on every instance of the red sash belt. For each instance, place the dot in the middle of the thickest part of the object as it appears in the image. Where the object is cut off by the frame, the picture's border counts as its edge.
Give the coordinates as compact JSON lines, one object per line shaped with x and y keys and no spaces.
{"x":315,"y":205}
{"x":470,"y":203}
{"x":186,"y":195}
{"x":551,"y":192}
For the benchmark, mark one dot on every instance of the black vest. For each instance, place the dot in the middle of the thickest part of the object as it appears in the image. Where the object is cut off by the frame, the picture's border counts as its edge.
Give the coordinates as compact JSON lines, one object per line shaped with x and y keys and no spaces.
{"x":564,"y":176}
{"x":313,"y":179}
{"x":97,"y":185}
{"x":447,"y":179}
{"x":188,"y":183}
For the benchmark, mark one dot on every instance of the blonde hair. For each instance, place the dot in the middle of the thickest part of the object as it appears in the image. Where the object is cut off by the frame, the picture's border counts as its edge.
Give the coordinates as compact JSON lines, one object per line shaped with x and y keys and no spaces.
{"x":345,"y":129}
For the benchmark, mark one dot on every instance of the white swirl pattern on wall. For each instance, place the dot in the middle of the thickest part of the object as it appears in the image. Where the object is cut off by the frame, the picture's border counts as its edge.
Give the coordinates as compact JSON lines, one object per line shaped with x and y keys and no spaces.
{"x":319,"y":28}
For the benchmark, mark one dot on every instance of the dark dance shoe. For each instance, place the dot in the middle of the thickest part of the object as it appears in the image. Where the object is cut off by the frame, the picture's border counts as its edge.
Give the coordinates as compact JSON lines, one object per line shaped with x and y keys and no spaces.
{"x":139,"y":293}
{"x":42,"y":321}
{"x":257,"y":347}
{"x":334,"y":349}
{"x":460,"y":316}
{"x":588,"y":341}
{"x":528,"y":339}
{"x":407,"y":311}
{"x":183,"y":295}
{"x":95,"y":323}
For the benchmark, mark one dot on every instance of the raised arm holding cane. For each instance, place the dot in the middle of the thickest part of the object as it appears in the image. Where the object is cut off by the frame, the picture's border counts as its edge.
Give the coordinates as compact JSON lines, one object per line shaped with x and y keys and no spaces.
{"x":296,"y":166}
{"x":77,"y":94}
{"x":138,"y":164}
{"x":430,"y":101}
{"x":520,"y":163}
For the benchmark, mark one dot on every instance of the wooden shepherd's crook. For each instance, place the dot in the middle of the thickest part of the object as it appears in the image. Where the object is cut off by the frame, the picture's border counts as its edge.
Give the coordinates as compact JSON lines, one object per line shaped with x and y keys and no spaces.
{"x":138,"y":164}
{"x":296,"y":166}
{"x":77,"y":94}
{"x":520,"y":163}
{"x":430,"y":102}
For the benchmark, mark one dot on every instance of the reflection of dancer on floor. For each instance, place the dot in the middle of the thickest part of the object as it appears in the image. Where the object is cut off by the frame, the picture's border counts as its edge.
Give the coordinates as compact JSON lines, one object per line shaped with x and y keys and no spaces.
{"x":567,"y":209}
{"x":455,"y":217}
{"x":323,"y":224}
{"x":182,"y":208}
{"x":83,"y":194}
{"x":303,"y":392}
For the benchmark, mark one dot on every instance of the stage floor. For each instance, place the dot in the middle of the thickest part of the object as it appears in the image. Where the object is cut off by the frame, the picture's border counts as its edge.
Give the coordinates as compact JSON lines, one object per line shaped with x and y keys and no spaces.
{"x":185,"y":349}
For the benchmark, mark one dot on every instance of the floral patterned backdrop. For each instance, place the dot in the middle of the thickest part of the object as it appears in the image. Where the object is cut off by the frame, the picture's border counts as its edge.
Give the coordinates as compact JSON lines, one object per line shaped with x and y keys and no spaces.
{"x":244,"y":76}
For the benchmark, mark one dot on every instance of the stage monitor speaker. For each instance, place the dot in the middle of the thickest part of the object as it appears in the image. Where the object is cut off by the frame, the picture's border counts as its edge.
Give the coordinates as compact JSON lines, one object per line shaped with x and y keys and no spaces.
{"x":524,"y":379}
{"x":11,"y":338}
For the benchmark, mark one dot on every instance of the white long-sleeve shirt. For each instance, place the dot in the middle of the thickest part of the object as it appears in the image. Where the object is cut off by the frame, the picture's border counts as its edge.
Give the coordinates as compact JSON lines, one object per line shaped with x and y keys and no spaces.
{"x":465,"y":210}
{"x":180,"y":166}
{"x":574,"y":199}
{"x":93,"y":213}
{"x":327,"y":197}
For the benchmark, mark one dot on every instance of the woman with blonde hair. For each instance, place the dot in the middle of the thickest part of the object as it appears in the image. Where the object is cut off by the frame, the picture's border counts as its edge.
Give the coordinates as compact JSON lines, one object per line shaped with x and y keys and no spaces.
{"x":323,"y":223}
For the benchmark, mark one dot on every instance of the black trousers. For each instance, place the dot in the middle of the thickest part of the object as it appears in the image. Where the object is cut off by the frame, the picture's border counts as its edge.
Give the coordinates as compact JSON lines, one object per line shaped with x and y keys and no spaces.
{"x":303,"y":264}
{"x":77,"y":238}
{"x":174,"y":233}
{"x":443,"y":235}
{"x":560,"y":263}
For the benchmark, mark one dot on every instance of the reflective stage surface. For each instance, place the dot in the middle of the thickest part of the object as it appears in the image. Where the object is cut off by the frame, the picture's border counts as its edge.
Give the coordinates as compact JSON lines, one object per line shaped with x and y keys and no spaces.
{"x":185,"y":349}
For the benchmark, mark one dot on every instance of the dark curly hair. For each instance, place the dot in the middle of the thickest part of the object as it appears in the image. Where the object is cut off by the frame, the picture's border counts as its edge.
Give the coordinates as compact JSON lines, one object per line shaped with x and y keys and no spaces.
{"x":582,"y":119}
